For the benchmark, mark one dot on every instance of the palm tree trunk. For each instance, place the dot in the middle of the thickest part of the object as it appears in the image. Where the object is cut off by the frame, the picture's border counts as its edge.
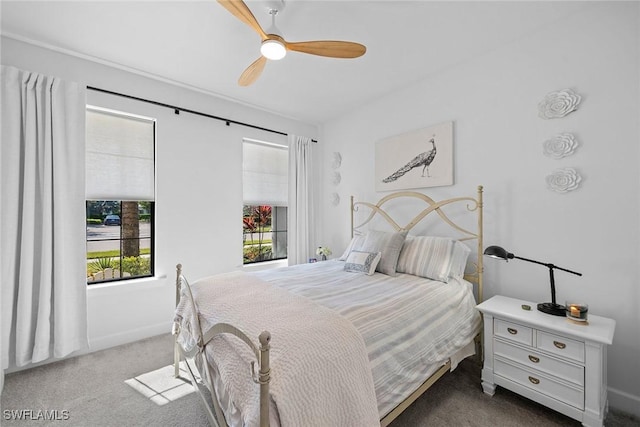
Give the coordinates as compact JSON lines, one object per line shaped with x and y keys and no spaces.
{"x":130,"y":229}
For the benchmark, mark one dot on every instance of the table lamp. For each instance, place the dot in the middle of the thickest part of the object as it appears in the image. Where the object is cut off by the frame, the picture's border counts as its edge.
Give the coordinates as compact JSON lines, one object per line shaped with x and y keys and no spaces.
{"x":546,"y":307}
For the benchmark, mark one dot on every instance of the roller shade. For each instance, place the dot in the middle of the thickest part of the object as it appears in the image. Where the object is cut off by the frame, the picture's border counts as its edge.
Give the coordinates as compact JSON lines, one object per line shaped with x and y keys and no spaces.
{"x":264,"y":174}
{"x":119,"y":156}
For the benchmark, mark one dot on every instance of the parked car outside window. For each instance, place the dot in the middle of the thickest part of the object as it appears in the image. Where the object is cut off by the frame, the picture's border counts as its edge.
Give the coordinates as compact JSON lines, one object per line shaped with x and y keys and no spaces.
{"x":112,"y":220}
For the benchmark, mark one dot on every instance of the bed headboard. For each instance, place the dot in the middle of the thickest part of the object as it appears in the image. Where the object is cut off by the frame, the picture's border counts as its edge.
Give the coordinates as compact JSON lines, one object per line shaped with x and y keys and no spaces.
{"x":473,"y":207}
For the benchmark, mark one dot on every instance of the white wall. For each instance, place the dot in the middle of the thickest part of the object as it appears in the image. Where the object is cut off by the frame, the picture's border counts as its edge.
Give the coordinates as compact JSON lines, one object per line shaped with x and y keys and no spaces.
{"x":498,"y":137}
{"x":199,"y":187}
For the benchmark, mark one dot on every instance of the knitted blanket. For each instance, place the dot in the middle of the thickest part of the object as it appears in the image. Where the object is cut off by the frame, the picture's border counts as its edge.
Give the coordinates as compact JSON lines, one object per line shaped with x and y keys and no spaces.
{"x":321,"y":374}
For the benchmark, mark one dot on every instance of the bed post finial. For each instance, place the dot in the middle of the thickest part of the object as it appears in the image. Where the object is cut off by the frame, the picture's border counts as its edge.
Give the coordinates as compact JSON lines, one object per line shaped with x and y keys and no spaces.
{"x":265,"y":338}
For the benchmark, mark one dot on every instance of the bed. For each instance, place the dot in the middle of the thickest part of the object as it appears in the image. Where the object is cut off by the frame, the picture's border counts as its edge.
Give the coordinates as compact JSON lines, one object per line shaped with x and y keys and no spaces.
{"x":355,"y":340}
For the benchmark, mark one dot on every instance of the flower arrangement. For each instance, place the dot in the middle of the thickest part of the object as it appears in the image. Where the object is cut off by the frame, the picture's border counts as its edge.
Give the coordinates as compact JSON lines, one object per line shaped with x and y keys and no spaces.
{"x":323,"y":251}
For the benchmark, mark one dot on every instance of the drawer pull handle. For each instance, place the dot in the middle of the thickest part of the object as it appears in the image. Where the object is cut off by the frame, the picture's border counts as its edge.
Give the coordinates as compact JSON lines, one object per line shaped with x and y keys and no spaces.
{"x":512,"y":331}
{"x":559,"y":344}
{"x":534,"y":380}
{"x":534,"y":359}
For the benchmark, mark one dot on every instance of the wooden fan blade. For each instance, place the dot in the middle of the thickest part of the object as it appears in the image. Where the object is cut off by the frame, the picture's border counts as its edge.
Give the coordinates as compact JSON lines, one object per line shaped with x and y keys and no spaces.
{"x":332,"y":49}
{"x":252,"y":72}
{"x":240,"y":10}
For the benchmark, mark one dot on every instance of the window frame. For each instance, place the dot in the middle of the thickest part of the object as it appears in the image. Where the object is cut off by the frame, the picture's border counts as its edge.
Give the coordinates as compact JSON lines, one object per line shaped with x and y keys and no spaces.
{"x":274,"y":205}
{"x":152,"y":209}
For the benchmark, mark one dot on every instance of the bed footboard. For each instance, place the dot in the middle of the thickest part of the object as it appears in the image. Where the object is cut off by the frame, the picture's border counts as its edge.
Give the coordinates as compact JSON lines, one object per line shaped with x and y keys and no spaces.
{"x":262,"y":377}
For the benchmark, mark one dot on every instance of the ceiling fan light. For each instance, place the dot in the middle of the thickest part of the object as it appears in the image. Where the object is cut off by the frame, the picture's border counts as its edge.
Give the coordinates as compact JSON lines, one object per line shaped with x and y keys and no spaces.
{"x":273,"y":49}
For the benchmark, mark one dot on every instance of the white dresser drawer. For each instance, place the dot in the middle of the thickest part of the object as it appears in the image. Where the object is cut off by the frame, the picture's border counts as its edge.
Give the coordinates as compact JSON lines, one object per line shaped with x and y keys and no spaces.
{"x":551,"y":361}
{"x":541,"y":383}
{"x":562,"y":346}
{"x":513,"y":332}
{"x":533,"y":359}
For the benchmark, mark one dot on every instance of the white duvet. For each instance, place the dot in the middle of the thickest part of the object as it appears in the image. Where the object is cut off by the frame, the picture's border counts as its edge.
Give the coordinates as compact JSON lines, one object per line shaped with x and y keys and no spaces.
{"x":395,"y":331}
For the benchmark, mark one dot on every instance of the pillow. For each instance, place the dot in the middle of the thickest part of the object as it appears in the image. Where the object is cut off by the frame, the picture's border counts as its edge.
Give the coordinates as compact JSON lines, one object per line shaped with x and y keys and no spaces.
{"x":459,"y":259}
{"x":436,"y":258}
{"x":364,"y":262}
{"x":388,"y":244}
{"x":356,"y":241}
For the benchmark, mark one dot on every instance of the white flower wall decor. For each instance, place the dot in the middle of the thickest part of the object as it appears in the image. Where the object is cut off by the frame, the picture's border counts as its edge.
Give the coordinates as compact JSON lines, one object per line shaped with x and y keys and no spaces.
{"x":558,"y":104}
{"x":561,"y":145}
{"x":336,"y":178}
{"x":563,"y":180}
{"x":336,"y":160}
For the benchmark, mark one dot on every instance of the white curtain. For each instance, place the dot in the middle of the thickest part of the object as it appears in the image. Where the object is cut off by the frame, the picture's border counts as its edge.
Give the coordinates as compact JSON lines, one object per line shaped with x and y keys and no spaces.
{"x":42,"y":206}
{"x":300,"y":210}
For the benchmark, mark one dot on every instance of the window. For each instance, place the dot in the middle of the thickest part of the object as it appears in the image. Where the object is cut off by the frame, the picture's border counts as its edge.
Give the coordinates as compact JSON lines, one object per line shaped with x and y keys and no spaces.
{"x":120,"y":193}
{"x":265,"y":194}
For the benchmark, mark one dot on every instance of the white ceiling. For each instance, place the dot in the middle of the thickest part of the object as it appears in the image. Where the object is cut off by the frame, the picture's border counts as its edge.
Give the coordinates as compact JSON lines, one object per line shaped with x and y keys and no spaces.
{"x":200,"y":44}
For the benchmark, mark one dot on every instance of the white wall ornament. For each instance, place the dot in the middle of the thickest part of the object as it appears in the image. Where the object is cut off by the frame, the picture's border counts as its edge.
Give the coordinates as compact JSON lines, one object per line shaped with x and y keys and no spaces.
{"x":561,"y":145}
{"x":563,"y":180}
{"x":336,"y":178}
{"x":558,"y":104}
{"x":336,"y":160}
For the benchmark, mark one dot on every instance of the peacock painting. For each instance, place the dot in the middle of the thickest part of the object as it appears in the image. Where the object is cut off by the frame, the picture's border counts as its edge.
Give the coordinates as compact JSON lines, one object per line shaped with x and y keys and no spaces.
{"x":422,"y":159}
{"x":399,"y":167}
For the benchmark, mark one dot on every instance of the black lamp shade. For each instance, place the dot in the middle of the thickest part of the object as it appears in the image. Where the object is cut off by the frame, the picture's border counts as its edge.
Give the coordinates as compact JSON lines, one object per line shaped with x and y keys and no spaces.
{"x":498,"y":252}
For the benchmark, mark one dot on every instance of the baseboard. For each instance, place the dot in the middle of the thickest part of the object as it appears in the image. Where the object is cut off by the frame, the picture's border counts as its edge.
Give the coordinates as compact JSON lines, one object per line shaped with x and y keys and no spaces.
{"x":625,"y":402}
{"x":102,"y":343}
{"x":113,"y":340}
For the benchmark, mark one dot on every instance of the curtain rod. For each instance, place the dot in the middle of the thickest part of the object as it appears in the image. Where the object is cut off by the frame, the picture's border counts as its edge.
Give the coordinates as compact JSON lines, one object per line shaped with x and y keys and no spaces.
{"x":177,"y":110}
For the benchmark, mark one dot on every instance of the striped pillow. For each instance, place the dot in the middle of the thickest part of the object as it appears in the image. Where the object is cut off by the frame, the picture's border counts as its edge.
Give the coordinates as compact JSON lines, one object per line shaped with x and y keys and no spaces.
{"x":389,"y":244}
{"x":436,"y":258}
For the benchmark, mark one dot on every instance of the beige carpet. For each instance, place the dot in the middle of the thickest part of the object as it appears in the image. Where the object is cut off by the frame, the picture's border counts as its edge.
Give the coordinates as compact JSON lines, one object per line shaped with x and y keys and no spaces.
{"x":131,"y":386}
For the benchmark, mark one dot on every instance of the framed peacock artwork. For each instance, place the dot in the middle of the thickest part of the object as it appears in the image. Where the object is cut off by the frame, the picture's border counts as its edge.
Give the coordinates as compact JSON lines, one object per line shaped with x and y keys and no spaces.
{"x":417,"y":159}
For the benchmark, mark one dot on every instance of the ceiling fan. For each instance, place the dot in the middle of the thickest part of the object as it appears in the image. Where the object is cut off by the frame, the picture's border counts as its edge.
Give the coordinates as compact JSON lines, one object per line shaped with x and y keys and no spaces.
{"x":275,"y":47}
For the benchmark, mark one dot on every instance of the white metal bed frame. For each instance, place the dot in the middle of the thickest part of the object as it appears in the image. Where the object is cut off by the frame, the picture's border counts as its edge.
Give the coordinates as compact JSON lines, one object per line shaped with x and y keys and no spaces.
{"x":204,"y":385}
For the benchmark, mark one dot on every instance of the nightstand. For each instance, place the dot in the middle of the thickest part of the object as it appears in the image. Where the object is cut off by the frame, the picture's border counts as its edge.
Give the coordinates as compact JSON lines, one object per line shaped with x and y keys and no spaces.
{"x":548,"y":359}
